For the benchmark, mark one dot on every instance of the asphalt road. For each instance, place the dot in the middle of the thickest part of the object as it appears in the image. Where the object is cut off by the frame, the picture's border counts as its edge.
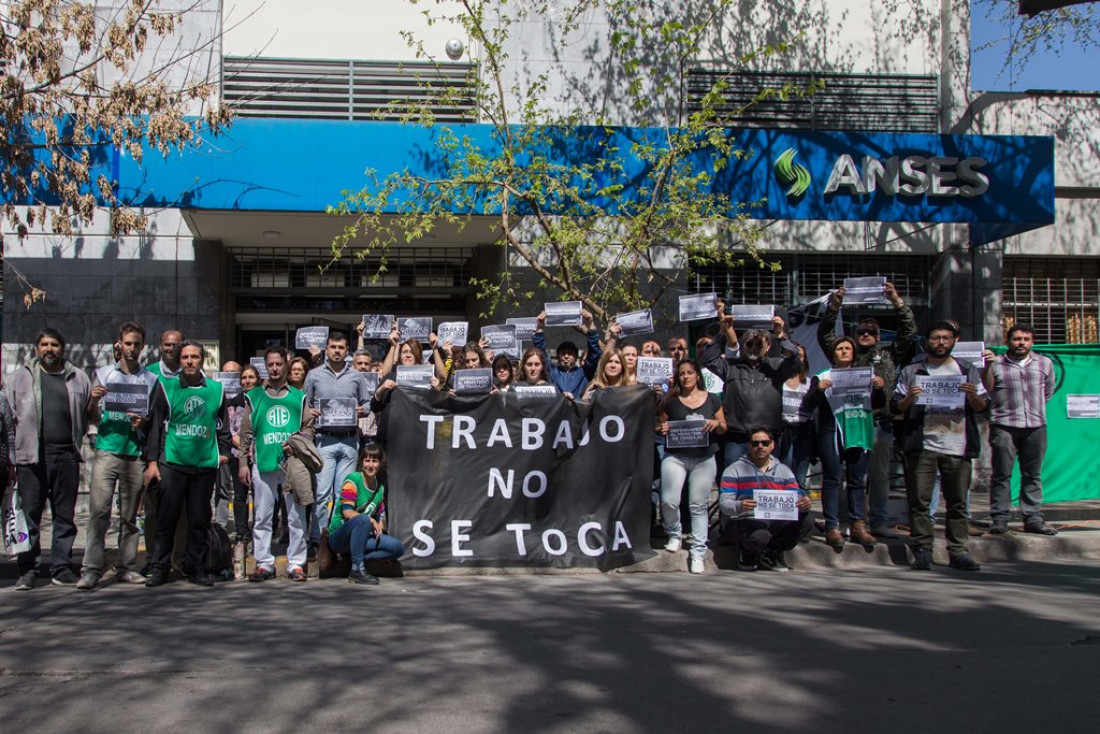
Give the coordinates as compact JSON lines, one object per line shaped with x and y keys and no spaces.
{"x":1014,"y":648}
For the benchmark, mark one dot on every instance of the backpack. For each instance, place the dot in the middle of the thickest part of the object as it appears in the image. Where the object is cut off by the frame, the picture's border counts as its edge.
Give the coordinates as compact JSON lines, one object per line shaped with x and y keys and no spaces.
{"x":219,"y":552}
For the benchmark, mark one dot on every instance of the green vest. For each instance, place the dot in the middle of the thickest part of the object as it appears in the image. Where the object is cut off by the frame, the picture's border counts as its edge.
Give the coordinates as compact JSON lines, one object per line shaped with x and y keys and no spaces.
{"x":274,"y":420}
{"x":116,"y":435}
{"x":191,"y":433}
{"x":367,"y":500}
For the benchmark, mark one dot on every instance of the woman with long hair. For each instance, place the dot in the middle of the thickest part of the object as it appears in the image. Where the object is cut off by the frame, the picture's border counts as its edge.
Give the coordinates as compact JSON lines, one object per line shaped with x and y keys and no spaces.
{"x":610,"y":372}
{"x":695,"y":465}
{"x":504,"y":373}
{"x":630,"y":362}
{"x":846,"y":434}
{"x":796,"y":443}
{"x":532,"y":368}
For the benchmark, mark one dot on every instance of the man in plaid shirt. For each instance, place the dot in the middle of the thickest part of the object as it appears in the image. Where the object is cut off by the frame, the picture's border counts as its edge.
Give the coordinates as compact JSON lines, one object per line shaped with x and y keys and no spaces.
{"x":1020,"y":384}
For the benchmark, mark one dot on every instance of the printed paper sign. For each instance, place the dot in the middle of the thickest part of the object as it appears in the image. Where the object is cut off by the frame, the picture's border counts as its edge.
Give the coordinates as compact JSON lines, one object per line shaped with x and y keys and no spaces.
{"x":127,"y":394}
{"x":477,"y":381}
{"x":775,"y":504}
{"x":687,"y":434}
{"x":415,"y":377}
{"x":260,"y":365}
{"x":636,"y":322}
{"x":371,"y":378}
{"x":525,"y":327}
{"x":698,"y":306}
{"x":871,"y":289}
{"x":1083,"y":406}
{"x":415,"y":327}
{"x":453,"y":332}
{"x":752,"y":317}
{"x":337,"y":413}
{"x":311,"y":336}
{"x":502,"y":339}
{"x":377,"y":327}
{"x":230,"y":381}
{"x":563,"y":313}
{"x":972,"y":352}
{"x":654,"y":370}
{"x":537,"y":392}
{"x":851,"y":387}
{"x":941,"y":391}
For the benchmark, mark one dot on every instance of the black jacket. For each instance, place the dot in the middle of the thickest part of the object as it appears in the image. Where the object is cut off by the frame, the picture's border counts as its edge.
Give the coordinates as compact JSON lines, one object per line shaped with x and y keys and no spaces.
{"x":754,"y":392}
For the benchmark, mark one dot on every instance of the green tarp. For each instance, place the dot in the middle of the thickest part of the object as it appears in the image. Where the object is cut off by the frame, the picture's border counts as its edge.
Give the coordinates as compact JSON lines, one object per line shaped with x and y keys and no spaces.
{"x":1071,"y":470}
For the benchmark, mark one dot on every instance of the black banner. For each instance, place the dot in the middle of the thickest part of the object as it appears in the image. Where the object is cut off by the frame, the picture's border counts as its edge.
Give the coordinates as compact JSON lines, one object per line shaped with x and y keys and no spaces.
{"x":497,"y":481}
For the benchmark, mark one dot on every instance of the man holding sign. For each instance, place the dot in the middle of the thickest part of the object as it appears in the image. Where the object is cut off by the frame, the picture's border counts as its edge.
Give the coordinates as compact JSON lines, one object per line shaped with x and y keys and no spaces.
{"x":117,"y":458}
{"x":764,"y":511}
{"x":1020,"y":383}
{"x":938,"y":439}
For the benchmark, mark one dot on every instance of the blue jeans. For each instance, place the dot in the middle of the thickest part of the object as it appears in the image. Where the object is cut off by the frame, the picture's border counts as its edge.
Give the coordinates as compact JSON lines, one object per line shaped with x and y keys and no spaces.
{"x":734,"y":450}
{"x":699,"y":475}
{"x":356,"y":537}
{"x":833,"y":466}
{"x":339,"y":454}
{"x":795,"y":448}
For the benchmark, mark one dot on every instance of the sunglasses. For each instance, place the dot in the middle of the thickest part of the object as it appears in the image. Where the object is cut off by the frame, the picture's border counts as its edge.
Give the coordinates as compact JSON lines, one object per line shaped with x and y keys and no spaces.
{"x":866,"y":332}
{"x":760,"y":443}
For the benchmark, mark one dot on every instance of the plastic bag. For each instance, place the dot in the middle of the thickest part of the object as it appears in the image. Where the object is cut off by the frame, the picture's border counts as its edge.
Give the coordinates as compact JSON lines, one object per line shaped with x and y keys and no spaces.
{"x":17,"y":537}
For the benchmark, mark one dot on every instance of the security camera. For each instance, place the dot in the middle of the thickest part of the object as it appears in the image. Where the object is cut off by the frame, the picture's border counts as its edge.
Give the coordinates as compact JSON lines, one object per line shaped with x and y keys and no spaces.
{"x":454,"y":49}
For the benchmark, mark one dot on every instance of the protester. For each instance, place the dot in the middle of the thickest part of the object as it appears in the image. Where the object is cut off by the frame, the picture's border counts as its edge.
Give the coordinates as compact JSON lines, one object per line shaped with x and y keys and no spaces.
{"x":117,"y":460}
{"x":7,"y":445}
{"x":338,"y":445}
{"x":939,"y":440}
{"x":242,"y":536}
{"x":274,"y":411}
{"x":362,"y":360}
{"x":885,"y":361}
{"x":188,"y":439}
{"x":570,"y":377}
{"x":677,"y":349}
{"x":169,"y":363}
{"x":227,"y":473}
{"x":296,"y":371}
{"x":504,"y":373}
{"x":1019,"y":383}
{"x":845,"y":434}
{"x":609,"y":373}
{"x":651,"y":348}
{"x":754,"y":381}
{"x":532,"y":370}
{"x":695,"y":465}
{"x":797,"y":443}
{"x":355,"y":528}
{"x":50,"y":400}
{"x":761,"y":543}
{"x":629,"y":353}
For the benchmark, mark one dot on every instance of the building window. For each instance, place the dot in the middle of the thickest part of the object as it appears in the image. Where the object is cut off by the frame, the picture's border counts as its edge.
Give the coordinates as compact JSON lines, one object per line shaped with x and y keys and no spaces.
{"x":347,"y":89}
{"x":1055,"y":297}
{"x":907,"y":103}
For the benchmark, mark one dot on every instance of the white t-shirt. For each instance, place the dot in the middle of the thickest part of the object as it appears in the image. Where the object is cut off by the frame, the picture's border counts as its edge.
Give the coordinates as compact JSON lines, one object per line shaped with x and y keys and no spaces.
{"x":945,"y":428}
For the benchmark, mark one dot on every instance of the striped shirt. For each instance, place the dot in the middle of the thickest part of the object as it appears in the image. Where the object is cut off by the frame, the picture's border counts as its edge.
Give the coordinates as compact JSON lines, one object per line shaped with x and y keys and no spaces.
{"x":1020,"y":390}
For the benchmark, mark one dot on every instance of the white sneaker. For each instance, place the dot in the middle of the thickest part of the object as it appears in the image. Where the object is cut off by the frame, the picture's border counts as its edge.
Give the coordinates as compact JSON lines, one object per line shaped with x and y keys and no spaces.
{"x":697,"y":565}
{"x":673,"y":544}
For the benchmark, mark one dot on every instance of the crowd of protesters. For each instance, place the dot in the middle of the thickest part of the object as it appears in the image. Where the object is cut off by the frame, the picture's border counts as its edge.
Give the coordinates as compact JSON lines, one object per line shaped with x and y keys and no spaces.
{"x":195,"y":450}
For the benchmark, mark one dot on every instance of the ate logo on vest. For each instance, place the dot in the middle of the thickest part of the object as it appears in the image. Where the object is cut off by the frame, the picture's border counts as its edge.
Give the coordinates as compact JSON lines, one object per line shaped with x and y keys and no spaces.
{"x":195,"y":406}
{"x":278,"y":417}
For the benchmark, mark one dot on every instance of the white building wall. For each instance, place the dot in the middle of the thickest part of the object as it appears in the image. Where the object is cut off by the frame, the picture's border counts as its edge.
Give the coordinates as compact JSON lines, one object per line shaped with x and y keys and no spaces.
{"x":333,"y":29}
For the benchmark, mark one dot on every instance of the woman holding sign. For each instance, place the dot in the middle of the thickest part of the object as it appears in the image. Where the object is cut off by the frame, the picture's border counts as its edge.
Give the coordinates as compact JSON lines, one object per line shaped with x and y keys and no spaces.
{"x":504,"y":373}
{"x":846,"y":434}
{"x":686,"y":419}
{"x":533,"y":368}
{"x":356,"y":529}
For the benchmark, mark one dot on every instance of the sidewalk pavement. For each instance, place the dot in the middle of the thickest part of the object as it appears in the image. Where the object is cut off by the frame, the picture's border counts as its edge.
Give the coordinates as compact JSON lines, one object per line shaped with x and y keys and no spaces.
{"x":1078,"y":524}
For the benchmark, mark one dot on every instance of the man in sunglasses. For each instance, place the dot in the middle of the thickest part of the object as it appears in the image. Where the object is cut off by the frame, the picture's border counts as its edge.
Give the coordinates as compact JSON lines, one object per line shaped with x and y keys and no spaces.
{"x":885,"y":361}
{"x":761,"y":543}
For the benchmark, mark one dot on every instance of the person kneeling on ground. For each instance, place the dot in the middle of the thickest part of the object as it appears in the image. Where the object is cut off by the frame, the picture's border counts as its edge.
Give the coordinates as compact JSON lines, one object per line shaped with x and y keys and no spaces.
{"x":355,"y":529}
{"x":761,"y":542}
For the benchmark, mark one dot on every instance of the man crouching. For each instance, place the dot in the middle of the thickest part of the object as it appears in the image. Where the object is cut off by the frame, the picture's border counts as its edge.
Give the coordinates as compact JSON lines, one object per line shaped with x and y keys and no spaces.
{"x":761,"y":542}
